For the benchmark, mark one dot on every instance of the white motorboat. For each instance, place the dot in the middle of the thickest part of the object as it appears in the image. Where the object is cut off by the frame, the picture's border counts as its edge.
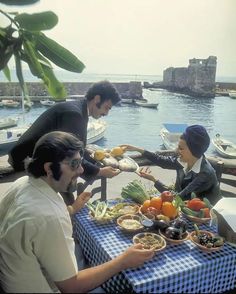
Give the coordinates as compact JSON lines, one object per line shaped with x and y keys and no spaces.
{"x":8,"y":122}
{"x":170,"y":134}
{"x":95,"y":131}
{"x":47,"y":102}
{"x":224,"y":147}
{"x":232,"y":94}
{"x":9,"y":137}
{"x":146,"y":104}
{"x":10,"y":103}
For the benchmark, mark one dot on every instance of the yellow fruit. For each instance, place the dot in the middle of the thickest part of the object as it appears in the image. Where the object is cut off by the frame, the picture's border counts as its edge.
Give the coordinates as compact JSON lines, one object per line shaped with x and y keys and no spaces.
{"x":99,"y":155}
{"x":117,"y":151}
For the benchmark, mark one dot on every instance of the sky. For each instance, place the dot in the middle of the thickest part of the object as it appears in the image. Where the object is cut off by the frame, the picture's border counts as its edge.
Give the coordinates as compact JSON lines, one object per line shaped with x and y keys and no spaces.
{"x":143,"y":36}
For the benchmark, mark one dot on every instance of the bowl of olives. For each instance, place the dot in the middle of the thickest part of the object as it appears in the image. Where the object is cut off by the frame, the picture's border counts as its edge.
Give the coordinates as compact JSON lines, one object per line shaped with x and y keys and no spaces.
{"x":176,"y":232}
{"x":206,"y":240}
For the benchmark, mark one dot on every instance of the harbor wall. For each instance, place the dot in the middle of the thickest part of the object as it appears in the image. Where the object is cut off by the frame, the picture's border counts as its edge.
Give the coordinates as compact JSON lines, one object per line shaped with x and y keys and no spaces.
{"x":11,"y":90}
{"x":198,"y":79}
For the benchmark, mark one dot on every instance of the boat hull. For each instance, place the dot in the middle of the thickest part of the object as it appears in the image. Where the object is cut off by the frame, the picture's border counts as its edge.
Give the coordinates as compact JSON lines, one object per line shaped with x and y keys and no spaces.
{"x":147,"y":105}
{"x":96,"y":131}
{"x":224,"y":148}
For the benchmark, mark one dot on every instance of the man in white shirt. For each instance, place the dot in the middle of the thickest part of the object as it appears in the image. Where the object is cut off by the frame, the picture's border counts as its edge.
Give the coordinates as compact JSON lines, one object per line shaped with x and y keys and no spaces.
{"x":36,"y":244}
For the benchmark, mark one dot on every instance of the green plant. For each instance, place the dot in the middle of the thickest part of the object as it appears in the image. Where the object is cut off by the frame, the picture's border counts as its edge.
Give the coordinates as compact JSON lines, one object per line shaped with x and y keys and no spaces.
{"x":23,"y":38}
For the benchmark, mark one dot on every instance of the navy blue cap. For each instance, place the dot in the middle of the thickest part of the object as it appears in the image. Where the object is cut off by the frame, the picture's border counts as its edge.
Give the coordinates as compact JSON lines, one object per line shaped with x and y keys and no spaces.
{"x":197,"y":140}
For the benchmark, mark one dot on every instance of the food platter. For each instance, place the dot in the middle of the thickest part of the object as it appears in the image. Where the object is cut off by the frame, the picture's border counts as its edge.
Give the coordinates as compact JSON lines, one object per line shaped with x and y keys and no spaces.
{"x":150,"y":241}
{"x":123,"y":162}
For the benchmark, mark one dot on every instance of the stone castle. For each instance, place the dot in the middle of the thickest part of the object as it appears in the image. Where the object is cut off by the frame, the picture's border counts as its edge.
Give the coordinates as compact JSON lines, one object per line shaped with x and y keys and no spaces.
{"x":198,"y":79}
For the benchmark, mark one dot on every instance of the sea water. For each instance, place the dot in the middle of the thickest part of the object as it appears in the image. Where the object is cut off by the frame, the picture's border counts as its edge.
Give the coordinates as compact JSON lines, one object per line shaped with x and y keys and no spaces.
{"x":128,"y":124}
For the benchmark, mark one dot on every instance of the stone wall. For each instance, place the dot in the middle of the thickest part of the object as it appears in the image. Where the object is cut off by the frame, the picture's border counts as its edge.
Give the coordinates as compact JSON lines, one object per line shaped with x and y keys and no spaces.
{"x":126,"y":90}
{"x":198,"y":79}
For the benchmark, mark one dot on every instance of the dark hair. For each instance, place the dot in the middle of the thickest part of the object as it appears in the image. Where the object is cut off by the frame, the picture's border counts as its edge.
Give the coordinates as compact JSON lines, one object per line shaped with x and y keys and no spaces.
{"x":53,"y":147}
{"x":105,"y":90}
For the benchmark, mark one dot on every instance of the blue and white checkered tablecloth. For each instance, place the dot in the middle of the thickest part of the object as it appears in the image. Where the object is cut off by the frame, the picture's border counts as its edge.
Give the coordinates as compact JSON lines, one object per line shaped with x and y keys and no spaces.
{"x":179,"y":268}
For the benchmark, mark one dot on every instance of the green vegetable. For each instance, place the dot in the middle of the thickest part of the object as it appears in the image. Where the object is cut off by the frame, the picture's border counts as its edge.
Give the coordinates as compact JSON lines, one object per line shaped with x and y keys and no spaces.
{"x":135,"y":191}
{"x":193,"y":195}
{"x":207,"y":202}
{"x":189,"y":211}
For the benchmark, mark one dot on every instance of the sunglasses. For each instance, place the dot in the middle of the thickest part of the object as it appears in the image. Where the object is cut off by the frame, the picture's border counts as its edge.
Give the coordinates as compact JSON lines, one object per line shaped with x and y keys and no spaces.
{"x":74,"y":164}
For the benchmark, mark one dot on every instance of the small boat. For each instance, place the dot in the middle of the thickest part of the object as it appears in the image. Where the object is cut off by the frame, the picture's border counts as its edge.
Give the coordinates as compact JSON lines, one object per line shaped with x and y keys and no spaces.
{"x":232,"y":94}
{"x":127,"y":101}
{"x":146,"y":104}
{"x":9,"y":137}
{"x":170,"y":134}
{"x":47,"y":102}
{"x":10,"y":103}
{"x":8,"y":122}
{"x":224,"y":147}
{"x":95,"y":131}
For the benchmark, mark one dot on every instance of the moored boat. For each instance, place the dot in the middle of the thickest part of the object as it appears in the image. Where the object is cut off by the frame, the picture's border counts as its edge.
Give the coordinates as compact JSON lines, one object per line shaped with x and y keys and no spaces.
{"x":8,"y":122}
{"x":10,"y":103}
{"x":146,"y":104}
{"x":232,"y":94}
{"x":47,"y":102}
{"x":224,"y":147}
{"x":170,"y":134}
{"x":9,"y":137}
{"x":95,"y":131}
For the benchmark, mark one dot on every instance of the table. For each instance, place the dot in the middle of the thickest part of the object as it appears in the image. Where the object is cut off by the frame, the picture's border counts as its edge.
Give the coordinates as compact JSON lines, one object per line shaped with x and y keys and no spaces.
{"x":179,"y":268}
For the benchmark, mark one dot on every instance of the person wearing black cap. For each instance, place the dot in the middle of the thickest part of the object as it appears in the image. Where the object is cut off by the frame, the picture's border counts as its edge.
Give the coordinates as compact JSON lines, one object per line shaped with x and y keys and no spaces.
{"x":194,"y":171}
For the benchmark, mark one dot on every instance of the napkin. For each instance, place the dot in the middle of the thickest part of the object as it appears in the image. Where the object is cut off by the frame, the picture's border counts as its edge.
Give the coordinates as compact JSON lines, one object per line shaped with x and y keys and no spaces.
{"x":227,"y":208}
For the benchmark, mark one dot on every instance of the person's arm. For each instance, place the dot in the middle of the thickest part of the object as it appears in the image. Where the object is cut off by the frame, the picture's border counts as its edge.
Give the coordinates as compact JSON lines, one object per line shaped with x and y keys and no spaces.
{"x":79,"y":202}
{"x":93,"y":277}
{"x":145,"y":173}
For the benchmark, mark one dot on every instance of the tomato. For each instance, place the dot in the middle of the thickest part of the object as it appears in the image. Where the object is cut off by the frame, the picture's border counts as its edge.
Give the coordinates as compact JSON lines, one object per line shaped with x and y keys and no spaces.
{"x":206,"y":212}
{"x":167,"y":196}
{"x":196,"y":204}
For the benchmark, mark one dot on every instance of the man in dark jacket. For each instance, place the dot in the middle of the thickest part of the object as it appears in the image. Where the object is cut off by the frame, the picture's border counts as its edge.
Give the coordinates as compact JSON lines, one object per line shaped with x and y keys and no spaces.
{"x":72,"y":117}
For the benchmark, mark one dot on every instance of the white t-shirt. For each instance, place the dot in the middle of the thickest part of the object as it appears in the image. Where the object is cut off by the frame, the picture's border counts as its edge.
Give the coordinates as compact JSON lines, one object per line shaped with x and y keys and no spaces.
{"x":36,"y":244}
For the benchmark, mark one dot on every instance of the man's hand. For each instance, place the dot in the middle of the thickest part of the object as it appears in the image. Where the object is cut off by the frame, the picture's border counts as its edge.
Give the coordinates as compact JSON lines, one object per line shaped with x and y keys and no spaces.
{"x":135,"y":256}
{"x":108,"y":172}
{"x":79,"y":202}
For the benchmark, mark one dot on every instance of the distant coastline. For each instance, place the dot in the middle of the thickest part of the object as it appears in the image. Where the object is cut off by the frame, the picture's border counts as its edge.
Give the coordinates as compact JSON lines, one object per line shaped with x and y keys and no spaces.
{"x":65,"y":76}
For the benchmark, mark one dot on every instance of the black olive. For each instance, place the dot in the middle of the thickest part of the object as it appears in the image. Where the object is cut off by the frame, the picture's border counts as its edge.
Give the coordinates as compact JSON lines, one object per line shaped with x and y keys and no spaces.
{"x":161,"y":224}
{"x":179,"y":223}
{"x":173,"y":233}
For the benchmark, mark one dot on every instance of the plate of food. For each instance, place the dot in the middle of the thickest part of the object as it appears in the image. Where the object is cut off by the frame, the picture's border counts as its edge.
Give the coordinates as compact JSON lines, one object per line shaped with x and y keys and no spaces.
{"x":206,"y":241}
{"x":197,"y":210}
{"x":150,"y":241}
{"x":130,"y":223}
{"x":115,"y":158}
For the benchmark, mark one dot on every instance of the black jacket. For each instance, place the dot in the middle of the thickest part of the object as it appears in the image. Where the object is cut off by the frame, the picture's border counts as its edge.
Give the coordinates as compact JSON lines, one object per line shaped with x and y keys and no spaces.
{"x":204,"y":183}
{"x":71,"y":116}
